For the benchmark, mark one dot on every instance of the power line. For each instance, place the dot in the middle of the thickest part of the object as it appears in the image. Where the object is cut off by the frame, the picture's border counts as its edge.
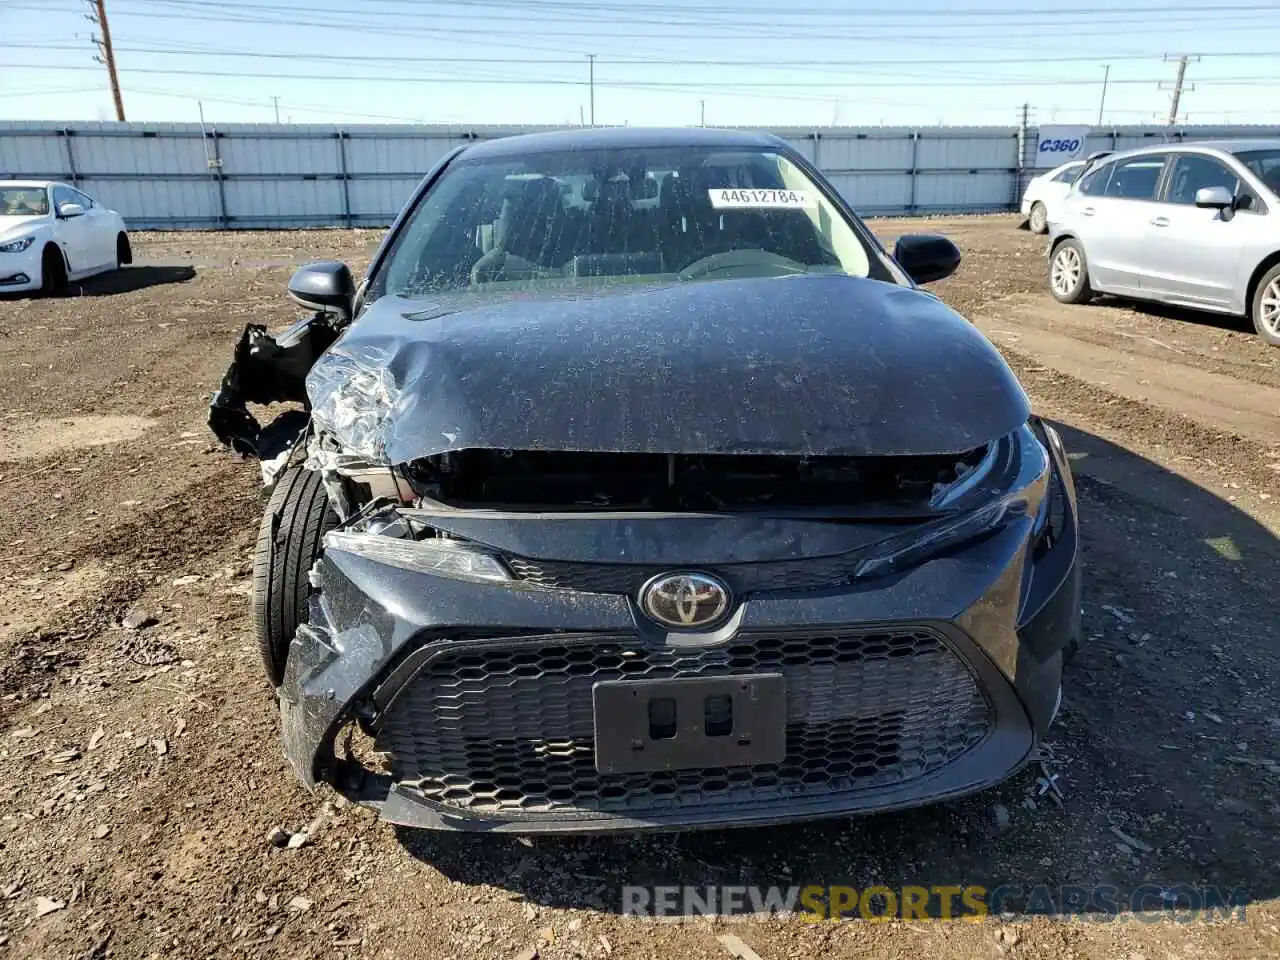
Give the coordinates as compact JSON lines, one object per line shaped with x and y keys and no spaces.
{"x":652,"y":62}
{"x":488,"y":38}
{"x":638,"y":84}
{"x":261,"y":14}
{"x":646,"y":11}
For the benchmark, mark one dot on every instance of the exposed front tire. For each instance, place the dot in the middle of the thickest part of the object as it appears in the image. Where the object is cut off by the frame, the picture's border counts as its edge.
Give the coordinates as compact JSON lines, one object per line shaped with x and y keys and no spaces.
{"x":290,"y":540}
{"x":53,"y":272}
{"x":1264,"y":311}
{"x":124,"y":252}
{"x":1069,"y":273}
{"x":1038,"y":219}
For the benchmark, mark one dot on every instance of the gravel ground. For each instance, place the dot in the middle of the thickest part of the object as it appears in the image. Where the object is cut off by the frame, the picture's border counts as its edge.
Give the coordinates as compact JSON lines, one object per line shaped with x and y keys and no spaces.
{"x":142,"y":773}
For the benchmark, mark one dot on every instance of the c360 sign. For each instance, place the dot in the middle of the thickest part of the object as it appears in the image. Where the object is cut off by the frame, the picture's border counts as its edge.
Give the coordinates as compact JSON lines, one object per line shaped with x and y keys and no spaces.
{"x":1058,"y":144}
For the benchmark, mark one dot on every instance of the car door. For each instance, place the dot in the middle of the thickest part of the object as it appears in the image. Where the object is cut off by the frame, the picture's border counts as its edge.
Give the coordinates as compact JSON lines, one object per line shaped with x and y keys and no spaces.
{"x":102,"y":231}
{"x":74,"y":234}
{"x":1194,"y":254}
{"x":1057,"y":186}
{"x":1116,"y":210}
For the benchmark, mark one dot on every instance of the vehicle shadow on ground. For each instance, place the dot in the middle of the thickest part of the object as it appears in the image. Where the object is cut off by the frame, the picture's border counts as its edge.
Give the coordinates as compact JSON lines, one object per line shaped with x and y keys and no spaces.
{"x":1165,"y":750}
{"x":1203,"y":318}
{"x":129,"y":279}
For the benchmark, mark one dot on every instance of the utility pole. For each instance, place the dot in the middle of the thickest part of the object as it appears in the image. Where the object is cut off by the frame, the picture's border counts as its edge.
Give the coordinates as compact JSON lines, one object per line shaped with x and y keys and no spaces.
{"x":1106,"y":75}
{"x":98,"y":16}
{"x":591,"y":82}
{"x":702,"y":113}
{"x":1178,"y":84}
{"x":276,"y":103}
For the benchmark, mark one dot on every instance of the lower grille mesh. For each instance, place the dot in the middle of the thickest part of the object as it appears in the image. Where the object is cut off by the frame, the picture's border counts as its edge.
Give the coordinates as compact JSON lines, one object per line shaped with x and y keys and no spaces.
{"x":507,"y":728}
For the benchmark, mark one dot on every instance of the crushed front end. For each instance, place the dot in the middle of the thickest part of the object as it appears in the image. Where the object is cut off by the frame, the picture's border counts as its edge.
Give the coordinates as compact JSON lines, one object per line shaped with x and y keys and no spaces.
{"x":487,"y":648}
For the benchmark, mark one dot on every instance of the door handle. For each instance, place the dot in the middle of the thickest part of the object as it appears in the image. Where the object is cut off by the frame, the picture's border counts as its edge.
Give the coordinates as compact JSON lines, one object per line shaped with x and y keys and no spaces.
{"x":1160,"y":222}
{"x":1087,"y":212}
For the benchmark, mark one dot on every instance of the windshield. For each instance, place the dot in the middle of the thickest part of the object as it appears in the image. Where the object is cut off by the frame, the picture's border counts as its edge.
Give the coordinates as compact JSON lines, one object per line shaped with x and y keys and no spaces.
{"x":574,"y":218}
{"x":23,"y":202}
{"x":1265,"y":165}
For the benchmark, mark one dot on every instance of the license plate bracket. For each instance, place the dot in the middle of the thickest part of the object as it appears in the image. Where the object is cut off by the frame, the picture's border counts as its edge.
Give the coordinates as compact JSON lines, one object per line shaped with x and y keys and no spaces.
{"x":644,"y":726}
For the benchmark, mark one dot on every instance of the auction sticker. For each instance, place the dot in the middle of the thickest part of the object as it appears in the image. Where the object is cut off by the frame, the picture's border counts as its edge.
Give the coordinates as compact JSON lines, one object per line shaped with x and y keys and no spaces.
{"x":738,"y":198}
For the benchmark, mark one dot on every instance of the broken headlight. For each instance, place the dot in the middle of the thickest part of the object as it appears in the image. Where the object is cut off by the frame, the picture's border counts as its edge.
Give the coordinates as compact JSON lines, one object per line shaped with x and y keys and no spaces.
{"x":353,"y":399}
{"x":444,"y":558}
{"x":1002,"y":488}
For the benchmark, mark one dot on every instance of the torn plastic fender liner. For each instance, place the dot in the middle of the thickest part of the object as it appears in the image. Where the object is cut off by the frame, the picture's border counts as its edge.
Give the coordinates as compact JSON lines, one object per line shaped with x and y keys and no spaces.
{"x":267,"y":370}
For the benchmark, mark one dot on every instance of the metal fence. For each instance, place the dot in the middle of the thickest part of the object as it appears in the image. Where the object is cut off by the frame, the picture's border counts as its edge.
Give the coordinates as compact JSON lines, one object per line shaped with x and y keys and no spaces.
{"x":185,"y":175}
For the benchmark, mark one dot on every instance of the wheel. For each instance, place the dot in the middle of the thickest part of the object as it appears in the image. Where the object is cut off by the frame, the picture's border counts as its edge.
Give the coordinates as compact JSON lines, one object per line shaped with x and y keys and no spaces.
{"x":124,"y":252}
{"x":1038,"y":219}
{"x":53,"y":272}
{"x":1069,"y":273}
{"x":290,"y":539}
{"x":1265,"y":309}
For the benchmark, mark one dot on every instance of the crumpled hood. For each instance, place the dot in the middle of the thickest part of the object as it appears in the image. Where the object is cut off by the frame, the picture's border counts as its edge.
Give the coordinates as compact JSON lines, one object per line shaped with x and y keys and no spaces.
{"x":811,"y":365}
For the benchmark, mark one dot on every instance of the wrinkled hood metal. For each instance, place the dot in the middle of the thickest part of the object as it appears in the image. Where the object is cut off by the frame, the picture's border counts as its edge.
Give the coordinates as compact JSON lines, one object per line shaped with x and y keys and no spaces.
{"x":812,"y":365}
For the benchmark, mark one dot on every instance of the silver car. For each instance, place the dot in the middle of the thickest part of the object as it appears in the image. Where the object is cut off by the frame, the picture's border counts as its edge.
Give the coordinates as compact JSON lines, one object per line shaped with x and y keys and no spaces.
{"x":1196,"y":225}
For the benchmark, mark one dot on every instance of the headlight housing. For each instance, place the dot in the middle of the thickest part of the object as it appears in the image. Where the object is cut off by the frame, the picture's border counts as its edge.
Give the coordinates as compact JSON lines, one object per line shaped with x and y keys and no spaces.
{"x":444,"y":558}
{"x":353,"y":399}
{"x":1001,"y":489}
{"x":17,"y":246}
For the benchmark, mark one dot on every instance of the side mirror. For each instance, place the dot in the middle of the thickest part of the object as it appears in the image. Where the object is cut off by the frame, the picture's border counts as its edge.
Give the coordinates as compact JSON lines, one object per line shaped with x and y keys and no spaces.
{"x":68,"y":210}
{"x":1214,"y":198}
{"x":926,"y":257}
{"x":325,"y":286}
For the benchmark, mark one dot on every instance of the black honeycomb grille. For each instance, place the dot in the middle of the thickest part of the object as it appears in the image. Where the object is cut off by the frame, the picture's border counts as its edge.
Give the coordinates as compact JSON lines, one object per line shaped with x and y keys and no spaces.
{"x":743,"y":579}
{"x":508,"y":728}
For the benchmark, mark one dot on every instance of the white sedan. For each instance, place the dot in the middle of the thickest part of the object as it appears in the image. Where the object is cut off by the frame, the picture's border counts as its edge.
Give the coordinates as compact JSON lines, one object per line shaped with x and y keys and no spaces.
{"x":1047,"y":189}
{"x":51,"y":233}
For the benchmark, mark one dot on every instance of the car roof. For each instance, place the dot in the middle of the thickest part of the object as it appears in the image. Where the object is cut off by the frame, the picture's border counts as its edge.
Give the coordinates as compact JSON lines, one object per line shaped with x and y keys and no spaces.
{"x":589,"y":138}
{"x":28,"y":184}
{"x":1200,"y":146}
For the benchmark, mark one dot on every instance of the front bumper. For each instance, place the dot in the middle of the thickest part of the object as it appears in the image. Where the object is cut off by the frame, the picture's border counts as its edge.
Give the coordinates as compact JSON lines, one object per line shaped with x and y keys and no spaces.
{"x":905,"y":689}
{"x":20,"y":272}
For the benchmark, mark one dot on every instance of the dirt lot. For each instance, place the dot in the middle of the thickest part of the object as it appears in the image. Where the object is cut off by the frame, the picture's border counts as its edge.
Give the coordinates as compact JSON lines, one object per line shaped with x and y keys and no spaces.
{"x":142,"y":775}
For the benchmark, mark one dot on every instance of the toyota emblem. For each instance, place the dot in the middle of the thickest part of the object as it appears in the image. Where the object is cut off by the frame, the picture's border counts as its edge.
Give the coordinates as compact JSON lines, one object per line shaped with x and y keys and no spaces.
{"x":685,"y":601}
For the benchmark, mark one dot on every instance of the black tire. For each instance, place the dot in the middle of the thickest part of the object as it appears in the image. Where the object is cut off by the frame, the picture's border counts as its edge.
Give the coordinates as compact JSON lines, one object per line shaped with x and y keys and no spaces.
{"x":290,"y":539}
{"x":1038,"y":219}
{"x":53,"y":272}
{"x":1073,"y":286}
{"x":124,"y":251}
{"x":1264,"y":308}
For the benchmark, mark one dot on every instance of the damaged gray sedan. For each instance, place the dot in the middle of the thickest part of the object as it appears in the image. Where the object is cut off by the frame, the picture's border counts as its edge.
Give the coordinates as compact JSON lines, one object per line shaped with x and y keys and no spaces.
{"x":637,"y":486}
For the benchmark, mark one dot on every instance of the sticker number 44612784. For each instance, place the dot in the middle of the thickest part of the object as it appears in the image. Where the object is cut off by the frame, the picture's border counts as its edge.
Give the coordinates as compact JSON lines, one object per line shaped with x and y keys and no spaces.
{"x":739,"y":198}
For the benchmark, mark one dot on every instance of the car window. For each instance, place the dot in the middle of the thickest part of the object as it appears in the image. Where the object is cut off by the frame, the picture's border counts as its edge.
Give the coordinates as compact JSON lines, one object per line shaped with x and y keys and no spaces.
{"x":63,"y":195}
{"x":1191,"y":172}
{"x":83,"y":199}
{"x":1135,"y":178}
{"x":23,"y":202}
{"x":1070,"y":174}
{"x":576,"y":218}
{"x":1094,"y":182}
{"x":1264,"y":164}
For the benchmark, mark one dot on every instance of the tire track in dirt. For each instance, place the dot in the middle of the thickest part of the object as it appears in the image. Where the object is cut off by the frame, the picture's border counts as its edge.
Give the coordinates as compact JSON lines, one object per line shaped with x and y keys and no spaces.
{"x":1139,"y":335}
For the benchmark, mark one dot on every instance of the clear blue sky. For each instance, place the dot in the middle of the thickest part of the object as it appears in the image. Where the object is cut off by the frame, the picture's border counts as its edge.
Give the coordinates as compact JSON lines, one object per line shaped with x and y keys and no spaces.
{"x":803,"y":62}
